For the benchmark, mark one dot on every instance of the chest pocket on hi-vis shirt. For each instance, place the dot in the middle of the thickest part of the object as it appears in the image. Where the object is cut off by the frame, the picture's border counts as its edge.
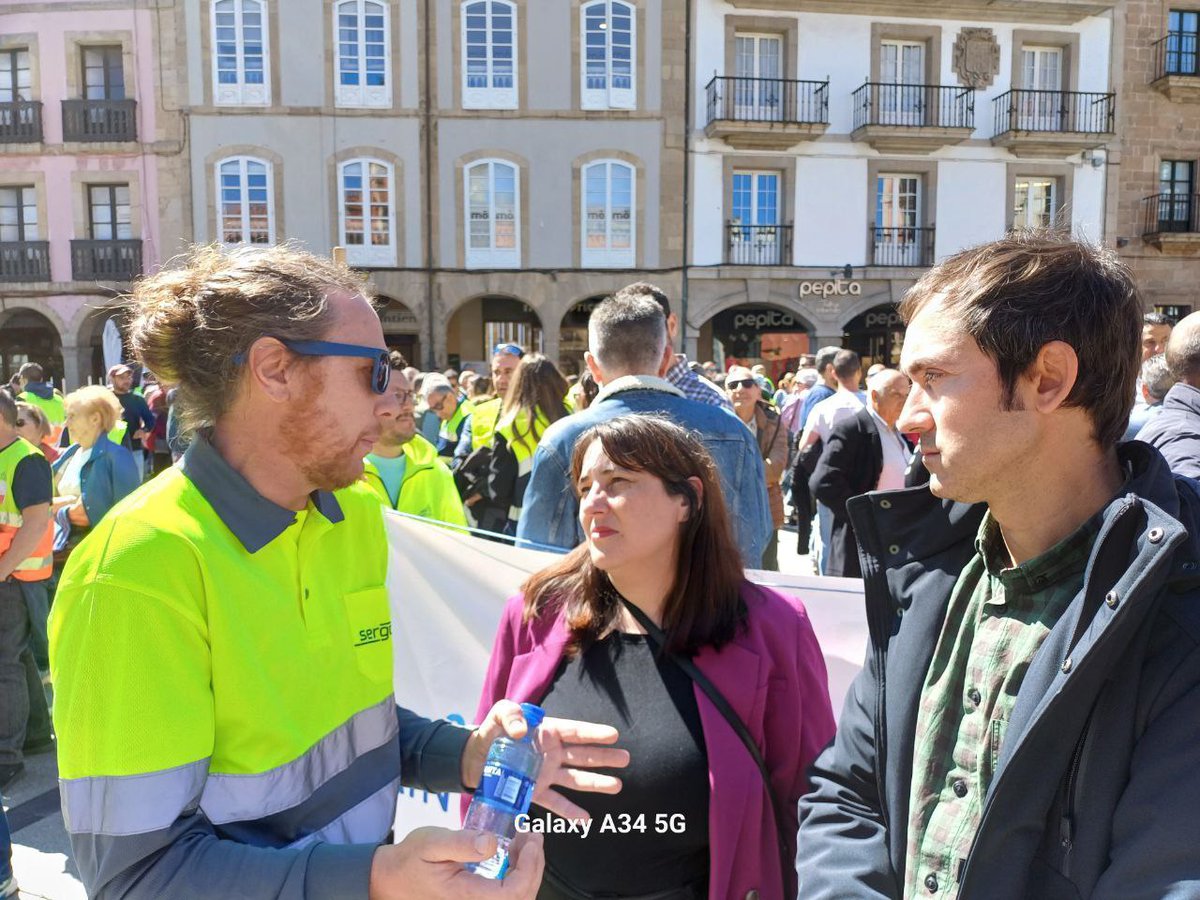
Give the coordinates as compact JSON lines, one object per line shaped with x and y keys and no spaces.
{"x":369,"y":623}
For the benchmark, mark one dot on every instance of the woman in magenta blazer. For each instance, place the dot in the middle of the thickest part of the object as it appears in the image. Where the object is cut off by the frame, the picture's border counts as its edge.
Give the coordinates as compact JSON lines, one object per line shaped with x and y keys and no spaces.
{"x":692,"y":818}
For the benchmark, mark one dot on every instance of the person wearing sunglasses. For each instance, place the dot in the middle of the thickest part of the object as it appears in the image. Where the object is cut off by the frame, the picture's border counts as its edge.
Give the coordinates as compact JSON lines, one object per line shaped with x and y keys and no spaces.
{"x":746,"y":395}
{"x":221,"y":645}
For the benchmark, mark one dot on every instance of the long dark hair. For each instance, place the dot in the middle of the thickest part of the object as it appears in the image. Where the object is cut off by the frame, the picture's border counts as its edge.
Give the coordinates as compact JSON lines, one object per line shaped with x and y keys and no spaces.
{"x":536,"y":385}
{"x":704,"y":606}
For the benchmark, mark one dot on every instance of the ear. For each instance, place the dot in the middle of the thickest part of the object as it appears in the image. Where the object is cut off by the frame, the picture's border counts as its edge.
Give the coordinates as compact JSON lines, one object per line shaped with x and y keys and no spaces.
{"x":593,"y":367}
{"x":1145,"y":392}
{"x":1051,"y":377}
{"x":672,"y":328}
{"x":684,"y":512}
{"x":272,"y":370}
{"x":668,"y":358}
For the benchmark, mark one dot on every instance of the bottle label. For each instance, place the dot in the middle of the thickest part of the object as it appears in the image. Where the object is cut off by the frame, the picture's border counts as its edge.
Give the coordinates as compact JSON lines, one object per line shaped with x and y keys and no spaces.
{"x":504,"y":788}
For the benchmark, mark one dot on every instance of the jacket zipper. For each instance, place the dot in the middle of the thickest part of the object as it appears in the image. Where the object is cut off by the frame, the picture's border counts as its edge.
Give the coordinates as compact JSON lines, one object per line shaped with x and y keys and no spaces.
{"x":1066,"y":826}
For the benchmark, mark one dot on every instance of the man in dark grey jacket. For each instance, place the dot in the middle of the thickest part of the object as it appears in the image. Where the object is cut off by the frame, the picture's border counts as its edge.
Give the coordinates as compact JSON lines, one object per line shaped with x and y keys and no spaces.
{"x":1025,"y":723}
{"x":1176,"y":430}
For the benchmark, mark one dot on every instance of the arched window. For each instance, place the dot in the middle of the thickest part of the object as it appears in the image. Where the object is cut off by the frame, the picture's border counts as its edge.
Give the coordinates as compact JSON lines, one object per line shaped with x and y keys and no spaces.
{"x":245,"y":201}
{"x":492,"y":190}
{"x":608,"y":228}
{"x":489,"y":54}
{"x":367,"y":212}
{"x":363,"y":74}
{"x":241,"y":53}
{"x":609,"y":43}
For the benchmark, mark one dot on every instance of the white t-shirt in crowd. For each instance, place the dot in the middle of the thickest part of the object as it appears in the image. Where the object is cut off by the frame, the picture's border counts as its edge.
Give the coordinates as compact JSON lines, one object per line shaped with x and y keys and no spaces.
{"x":832,"y":410}
{"x":70,"y":478}
{"x":896,"y":455}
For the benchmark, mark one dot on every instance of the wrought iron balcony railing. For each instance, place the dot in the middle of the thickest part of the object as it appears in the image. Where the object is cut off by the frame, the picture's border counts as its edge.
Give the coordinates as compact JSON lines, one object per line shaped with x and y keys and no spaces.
{"x":1176,"y":54}
{"x":902,"y":246}
{"x":758,"y":245}
{"x":1171,"y":214}
{"x":21,"y":122}
{"x":783,"y":100}
{"x":99,"y":120}
{"x":24,"y":261}
{"x":914,"y":105}
{"x":1054,"y":111}
{"x":106,"y":260}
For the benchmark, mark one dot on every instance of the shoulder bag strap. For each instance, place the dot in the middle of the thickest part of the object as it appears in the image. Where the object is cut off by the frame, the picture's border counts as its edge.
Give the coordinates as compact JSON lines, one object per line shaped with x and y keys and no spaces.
{"x":710,"y":690}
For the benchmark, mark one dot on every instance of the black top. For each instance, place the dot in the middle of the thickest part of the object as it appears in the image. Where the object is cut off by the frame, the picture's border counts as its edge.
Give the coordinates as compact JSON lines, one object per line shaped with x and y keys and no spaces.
{"x":620,"y":681}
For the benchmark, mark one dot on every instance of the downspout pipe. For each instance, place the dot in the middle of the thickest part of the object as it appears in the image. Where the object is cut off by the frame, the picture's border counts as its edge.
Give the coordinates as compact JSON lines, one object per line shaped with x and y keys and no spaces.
{"x":427,"y":151}
{"x":687,"y":169}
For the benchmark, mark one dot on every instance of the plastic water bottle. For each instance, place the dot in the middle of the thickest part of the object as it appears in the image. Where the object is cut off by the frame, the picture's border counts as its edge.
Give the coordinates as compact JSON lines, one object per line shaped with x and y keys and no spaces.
{"x":505,"y":791}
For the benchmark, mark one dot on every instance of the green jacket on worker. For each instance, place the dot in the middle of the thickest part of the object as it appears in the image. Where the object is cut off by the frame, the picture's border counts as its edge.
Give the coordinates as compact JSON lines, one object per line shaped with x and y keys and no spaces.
{"x":427,"y":489}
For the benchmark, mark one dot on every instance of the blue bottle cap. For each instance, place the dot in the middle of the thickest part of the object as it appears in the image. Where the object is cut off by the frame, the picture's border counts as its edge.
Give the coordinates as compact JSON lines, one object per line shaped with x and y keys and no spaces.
{"x":533,"y":715}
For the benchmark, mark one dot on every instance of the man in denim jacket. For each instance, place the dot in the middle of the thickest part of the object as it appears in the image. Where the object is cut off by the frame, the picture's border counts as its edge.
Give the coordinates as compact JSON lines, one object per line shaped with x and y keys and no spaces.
{"x":629,"y":354}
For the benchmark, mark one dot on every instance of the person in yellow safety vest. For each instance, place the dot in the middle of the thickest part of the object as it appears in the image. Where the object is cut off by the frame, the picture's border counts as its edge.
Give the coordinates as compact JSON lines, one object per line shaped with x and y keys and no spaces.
{"x":403,"y":468}
{"x":221,"y":644}
{"x":26,"y":491}
{"x":40,"y":393}
{"x":532,"y":403}
{"x":453,"y":411}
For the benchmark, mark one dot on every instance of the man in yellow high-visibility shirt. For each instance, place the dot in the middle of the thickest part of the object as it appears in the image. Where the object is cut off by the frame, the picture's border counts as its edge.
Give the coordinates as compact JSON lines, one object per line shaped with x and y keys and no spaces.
{"x":221,"y":643}
{"x":403,"y":467}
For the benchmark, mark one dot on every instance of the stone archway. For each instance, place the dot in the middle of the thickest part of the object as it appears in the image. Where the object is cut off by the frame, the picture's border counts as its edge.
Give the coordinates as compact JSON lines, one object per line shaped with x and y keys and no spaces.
{"x":573,"y":334}
{"x":402,"y":328}
{"x":770,"y":334}
{"x":28,"y":335}
{"x":479,"y":323}
{"x":89,"y":341}
{"x":876,"y":335}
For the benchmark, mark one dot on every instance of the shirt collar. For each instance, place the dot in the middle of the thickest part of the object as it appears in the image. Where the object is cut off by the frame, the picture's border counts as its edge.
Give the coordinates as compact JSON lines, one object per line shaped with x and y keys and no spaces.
{"x":637,"y":383}
{"x":253,"y":519}
{"x":1066,"y":558}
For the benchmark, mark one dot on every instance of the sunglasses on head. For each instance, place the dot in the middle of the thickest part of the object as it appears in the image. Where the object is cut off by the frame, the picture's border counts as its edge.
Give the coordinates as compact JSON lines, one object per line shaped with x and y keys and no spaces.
{"x":381,"y":370}
{"x":508,"y":350}
{"x":743,"y":383}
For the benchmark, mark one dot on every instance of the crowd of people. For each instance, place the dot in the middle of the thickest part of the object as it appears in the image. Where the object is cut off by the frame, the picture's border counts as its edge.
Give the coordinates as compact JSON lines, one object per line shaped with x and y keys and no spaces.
{"x":1017,"y":498}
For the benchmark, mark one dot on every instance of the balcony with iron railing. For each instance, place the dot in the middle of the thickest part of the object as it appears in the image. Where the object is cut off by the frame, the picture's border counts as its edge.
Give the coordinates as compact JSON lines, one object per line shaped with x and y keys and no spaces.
{"x":119,"y":260}
{"x":1171,"y":222}
{"x":101,"y":121}
{"x":25,"y":261}
{"x":758,"y":245}
{"x":21,"y":122}
{"x":1177,"y":66}
{"x":1053,"y":123}
{"x":902,"y":247}
{"x":766,"y":113}
{"x":912,"y":118}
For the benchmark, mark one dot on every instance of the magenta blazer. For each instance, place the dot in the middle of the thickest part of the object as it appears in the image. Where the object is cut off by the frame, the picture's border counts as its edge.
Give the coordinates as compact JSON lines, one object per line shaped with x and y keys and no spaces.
{"x":772,"y":674}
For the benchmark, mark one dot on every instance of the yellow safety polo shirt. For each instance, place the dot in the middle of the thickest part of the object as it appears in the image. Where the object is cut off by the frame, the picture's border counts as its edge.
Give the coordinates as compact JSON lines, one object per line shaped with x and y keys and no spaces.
{"x":223,"y":693}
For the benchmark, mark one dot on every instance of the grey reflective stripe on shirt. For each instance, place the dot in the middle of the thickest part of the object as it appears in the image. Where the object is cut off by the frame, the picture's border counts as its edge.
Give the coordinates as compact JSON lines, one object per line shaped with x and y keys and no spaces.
{"x":131,"y":804}
{"x":366,"y":823}
{"x":238,"y":798}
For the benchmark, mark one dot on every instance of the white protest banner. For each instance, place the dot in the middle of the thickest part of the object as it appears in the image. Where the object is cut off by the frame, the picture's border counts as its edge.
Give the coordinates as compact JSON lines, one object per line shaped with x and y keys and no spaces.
{"x":447,"y":591}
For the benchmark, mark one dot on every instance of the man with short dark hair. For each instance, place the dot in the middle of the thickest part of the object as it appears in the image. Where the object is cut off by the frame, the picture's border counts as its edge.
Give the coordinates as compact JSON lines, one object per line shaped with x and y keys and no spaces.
{"x":1156,"y":331}
{"x":629,"y":355}
{"x":1175,"y":432}
{"x":1025,"y":723}
{"x":680,"y":373}
{"x":826,"y":386}
{"x":34,"y":388}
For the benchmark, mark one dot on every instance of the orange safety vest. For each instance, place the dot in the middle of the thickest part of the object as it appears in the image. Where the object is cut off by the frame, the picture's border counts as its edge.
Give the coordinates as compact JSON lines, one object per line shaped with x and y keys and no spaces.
{"x":37,"y":567}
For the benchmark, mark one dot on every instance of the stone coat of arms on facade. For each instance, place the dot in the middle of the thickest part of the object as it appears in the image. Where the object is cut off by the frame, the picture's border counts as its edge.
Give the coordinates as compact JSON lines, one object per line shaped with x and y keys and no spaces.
{"x":976,"y":57}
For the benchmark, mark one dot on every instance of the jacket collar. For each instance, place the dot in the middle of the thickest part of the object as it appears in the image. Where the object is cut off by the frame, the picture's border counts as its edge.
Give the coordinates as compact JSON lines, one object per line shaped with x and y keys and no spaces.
{"x":253,"y":519}
{"x":1183,"y":396}
{"x":637,"y":383}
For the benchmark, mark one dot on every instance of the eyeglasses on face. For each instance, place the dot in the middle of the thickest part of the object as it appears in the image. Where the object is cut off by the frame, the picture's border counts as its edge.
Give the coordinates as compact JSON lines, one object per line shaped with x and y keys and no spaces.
{"x":743,"y":383}
{"x":381,"y":370}
{"x":440,"y":405}
{"x":405,"y":397}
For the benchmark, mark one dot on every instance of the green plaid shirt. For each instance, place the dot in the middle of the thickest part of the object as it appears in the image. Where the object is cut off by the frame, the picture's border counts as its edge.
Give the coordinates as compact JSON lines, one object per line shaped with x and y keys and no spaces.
{"x":997,"y":619}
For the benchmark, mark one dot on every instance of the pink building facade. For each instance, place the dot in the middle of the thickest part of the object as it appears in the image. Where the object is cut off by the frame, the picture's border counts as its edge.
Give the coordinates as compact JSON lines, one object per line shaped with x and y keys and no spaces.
{"x":88,"y":142}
